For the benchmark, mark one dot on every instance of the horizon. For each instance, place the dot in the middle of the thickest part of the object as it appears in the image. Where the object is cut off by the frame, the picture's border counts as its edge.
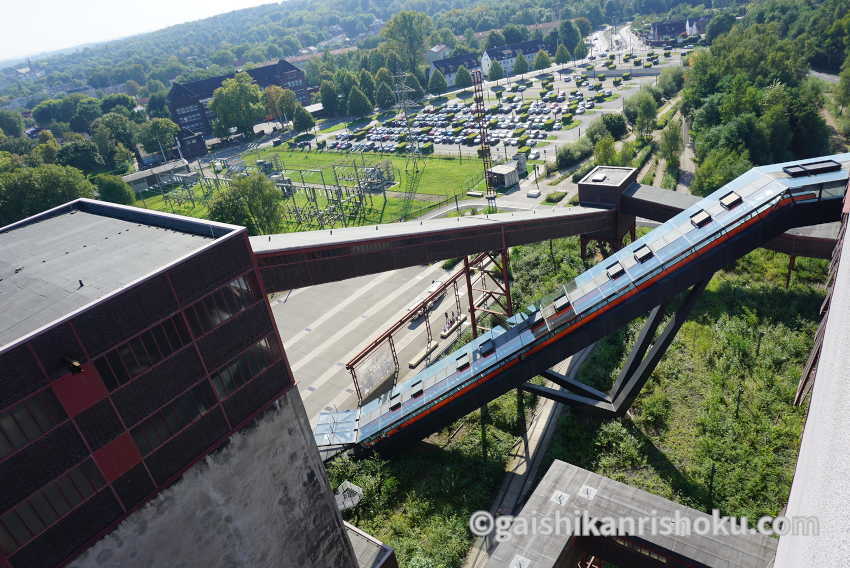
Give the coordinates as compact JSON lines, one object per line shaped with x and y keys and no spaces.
{"x":48,"y":26}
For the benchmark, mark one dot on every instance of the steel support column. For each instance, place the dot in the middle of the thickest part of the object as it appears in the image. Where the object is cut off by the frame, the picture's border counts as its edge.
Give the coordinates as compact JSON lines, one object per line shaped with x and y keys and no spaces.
{"x":634,"y":382}
{"x":472,"y":322}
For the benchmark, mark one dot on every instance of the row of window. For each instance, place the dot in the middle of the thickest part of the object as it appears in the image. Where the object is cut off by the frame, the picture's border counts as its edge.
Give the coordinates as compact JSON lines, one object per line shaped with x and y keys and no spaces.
{"x":154,"y":431}
{"x":32,"y":516}
{"x":142,"y":352}
{"x":222,"y":304}
{"x":28,"y":421}
{"x":245,"y":367}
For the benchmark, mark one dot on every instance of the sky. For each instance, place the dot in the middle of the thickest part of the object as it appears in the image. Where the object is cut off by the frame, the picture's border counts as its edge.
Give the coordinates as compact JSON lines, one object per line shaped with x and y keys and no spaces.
{"x":36,"y":26}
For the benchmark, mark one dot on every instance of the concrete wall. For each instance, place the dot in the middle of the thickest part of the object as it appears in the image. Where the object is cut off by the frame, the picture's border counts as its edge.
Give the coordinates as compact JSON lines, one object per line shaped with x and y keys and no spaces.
{"x":262,"y":501}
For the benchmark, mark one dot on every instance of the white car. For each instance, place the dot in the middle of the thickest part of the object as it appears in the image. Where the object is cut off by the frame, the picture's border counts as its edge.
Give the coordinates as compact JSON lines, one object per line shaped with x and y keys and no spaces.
{"x":533,"y":155}
{"x":435,"y":285}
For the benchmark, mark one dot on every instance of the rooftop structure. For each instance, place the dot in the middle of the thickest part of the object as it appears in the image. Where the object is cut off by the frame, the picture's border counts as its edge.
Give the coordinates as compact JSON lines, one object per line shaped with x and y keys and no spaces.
{"x":133,"y":344}
{"x":72,"y":256}
{"x":568,"y":491}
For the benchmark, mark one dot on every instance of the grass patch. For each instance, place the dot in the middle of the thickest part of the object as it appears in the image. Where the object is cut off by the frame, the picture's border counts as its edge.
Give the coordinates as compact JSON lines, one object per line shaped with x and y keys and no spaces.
{"x":555,"y":196}
{"x":440,"y":176}
{"x":333,"y":127}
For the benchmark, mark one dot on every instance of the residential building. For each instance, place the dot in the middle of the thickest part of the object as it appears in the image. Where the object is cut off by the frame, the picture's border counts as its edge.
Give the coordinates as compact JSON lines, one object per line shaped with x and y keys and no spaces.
{"x":449,"y":66}
{"x":189,"y":102}
{"x":134,"y":345}
{"x":437,"y":52}
{"x":667,"y":30}
{"x":506,"y":55}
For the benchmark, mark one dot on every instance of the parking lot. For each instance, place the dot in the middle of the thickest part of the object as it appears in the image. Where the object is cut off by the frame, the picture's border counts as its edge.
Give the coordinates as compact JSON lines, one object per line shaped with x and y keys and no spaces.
{"x":538,"y":111}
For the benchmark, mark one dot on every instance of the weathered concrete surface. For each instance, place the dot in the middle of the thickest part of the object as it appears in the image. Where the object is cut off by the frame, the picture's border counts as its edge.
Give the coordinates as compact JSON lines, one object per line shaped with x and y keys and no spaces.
{"x":262,"y":501}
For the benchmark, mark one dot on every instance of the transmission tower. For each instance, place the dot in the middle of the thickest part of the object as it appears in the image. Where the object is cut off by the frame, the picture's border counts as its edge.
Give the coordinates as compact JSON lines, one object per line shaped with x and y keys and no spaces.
{"x":481,"y":119}
{"x":413,"y":165}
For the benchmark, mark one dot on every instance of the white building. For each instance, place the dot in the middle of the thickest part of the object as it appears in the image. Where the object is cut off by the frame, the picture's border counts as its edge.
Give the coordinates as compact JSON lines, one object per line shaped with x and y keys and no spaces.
{"x":506,"y":56}
{"x":448,"y":67}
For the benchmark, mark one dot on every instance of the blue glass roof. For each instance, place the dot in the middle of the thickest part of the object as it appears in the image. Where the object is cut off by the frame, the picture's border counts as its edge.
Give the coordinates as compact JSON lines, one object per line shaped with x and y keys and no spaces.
{"x":759,"y":189}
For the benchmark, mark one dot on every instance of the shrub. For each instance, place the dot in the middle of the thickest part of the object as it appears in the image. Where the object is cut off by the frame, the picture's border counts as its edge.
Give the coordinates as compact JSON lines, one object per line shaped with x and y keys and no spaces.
{"x":524,"y":150}
{"x":573,"y":153}
{"x":548,"y":124}
{"x":583,"y":171}
{"x":450,"y":263}
{"x":427,"y":148}
{"x":555,"y":196}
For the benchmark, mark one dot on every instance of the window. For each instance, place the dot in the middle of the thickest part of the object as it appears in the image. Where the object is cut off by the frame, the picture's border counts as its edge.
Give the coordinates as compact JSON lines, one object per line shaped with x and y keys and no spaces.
{"x":643,"y":254}
{"x":700,"y":219}
{"x":222,"y":304}
{"x":245,"y":367}
{"x":28,"y":421}
{"x":157,"y":429}
{"x":31,"y":517}
{"x":615,"y":270}
{"x":142,"y":352}
{"x":730,"y":200}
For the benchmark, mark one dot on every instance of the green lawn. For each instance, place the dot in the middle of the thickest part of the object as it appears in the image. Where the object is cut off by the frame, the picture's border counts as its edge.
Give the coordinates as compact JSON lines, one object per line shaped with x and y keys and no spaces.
{"x":440,"y":176}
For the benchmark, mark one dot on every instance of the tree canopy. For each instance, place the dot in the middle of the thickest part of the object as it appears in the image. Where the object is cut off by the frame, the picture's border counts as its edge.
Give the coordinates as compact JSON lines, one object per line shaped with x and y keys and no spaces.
{"x":251,"y":201}
{"x":520,"y":65}
{"x":27,"y":191}
{"x":238,"y":103}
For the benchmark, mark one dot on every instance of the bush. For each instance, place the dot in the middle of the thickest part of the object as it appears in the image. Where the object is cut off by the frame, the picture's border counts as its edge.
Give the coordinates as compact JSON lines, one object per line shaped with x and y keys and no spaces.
{"x":549,"y":124}
{"x":427,"y":148}
{"x":566,"y":118}
{"x":573,"y":153}
{"x":642,"y":157}
{"x":524,"y":150}
{"x":450,"y":263}
{"x":555,"y":196}
{"x":583,"y":171}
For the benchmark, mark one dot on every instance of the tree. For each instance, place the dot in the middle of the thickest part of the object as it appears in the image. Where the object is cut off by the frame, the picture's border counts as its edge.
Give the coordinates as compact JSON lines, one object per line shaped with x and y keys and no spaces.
{"x":719,"y":25}
{"x":437,"y":83}
{"x":417,"y":92}
{"x":671,"y":81}
{"x":119,"y":127}
{"x":81,"y":154}
{"x":358,"y":103}
{"x":11,"y":123}
{"x":114,"y":189}
{"x":640,"y":110}
{"x":615,"y":123}
{"x":496,"y":72}
{"x":842,"y":90}
{"x":384,"y":76}
{"x":562,"y":55}
{"x":157,"y":105}
{"x":670,"y":143}
{"x":384,"y":96}
{"x":329,"y":98}
{"x":604,"y":152}
{"x":367,"y":83}
{"x":27,"y":191}
{"x":514,"y":33}
{"x":237,"y":104}
{"x":158,"y":134}
{"x":302,"y":120}
{"x":279,"y":102}
{"x":520,"y":65}
{"x":251,"y":201}
{"x":494,"y":39}
{"x":86,"y":112}
{"x":569,"y":34}
{"x":541,"y":60}
{"x":720,"y":166}
{"x":109,"y":102}
{"x":462,"y":78}
{"x":584,"y":26}
{"x":406,"y":32}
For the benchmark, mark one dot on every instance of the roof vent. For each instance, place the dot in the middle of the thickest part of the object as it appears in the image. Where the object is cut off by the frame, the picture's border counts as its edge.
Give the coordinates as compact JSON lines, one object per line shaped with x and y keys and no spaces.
{"x":700,"y":219}
{"x":730,"y":200}
{"x":643,"y":254}
{"x":615,"y":270}
{"x":812,"y":168}
{"x":598,"y":178}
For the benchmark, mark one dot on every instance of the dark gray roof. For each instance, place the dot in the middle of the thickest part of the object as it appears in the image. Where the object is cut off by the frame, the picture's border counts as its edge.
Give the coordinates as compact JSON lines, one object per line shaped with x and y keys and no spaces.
{"x":106,"y":246}
{"x":185,"y":93}
{"x":508,"y":51}
{"x":566,"y":488}
{"x":452,"y":64}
